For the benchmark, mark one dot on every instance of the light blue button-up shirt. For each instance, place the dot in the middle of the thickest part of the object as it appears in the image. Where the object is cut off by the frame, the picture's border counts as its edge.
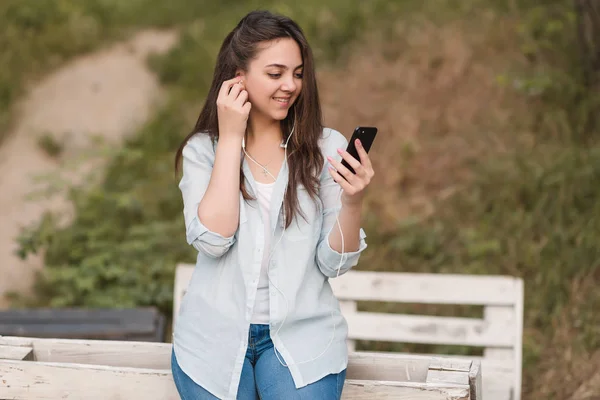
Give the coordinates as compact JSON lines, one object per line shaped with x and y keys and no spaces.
{"x":211,"y":332}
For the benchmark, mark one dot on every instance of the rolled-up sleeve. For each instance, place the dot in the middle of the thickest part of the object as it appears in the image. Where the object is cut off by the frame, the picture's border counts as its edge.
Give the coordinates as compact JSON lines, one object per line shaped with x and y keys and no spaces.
{"x":328,"y":259}
{"x":197,"y":163}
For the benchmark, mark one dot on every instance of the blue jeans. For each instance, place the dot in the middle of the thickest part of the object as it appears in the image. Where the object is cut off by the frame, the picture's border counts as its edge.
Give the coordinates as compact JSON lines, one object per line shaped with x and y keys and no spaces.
{"x":263,"y":376}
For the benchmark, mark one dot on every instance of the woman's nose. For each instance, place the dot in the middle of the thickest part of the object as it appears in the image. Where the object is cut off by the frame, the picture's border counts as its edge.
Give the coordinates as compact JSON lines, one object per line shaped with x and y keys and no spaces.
{"x":289,"y":85}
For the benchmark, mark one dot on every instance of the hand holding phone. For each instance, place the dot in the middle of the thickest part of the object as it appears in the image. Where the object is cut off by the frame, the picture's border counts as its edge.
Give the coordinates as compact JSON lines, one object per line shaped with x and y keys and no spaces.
{"x":353,"y":184}
{"x":366,"y":135}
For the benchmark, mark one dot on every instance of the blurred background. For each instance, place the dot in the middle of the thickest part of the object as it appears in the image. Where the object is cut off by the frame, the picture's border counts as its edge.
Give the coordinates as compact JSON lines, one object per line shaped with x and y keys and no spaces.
{"x":487,"y":157}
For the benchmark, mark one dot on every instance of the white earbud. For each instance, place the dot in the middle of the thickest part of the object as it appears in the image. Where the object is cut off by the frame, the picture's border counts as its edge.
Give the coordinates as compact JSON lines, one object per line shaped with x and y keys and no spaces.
{"x":284,"y":145}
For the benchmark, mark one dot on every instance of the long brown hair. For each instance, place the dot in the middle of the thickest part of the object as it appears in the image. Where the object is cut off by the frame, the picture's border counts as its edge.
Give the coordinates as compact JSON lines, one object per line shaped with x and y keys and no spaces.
{"x":241,"y":45}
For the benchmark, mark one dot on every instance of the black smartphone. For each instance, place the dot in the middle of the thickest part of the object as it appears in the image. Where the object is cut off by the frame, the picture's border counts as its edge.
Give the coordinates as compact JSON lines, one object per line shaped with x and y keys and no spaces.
{"x":366,"y":135}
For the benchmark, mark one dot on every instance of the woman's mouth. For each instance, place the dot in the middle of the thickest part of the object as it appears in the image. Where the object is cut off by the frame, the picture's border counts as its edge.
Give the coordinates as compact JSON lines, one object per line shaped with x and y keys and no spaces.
{"x":282,"y":100}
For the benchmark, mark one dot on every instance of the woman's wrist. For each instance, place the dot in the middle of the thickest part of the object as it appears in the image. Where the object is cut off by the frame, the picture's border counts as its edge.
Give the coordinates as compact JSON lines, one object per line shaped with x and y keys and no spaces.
{"x":230,"y":141}
{"x":352,"y":202}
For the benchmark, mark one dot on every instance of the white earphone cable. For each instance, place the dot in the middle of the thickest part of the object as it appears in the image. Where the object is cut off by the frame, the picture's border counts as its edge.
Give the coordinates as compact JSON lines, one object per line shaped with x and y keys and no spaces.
{"x":285,"y":158}
{"x":279,"y":290}
{"x":287,"y":305}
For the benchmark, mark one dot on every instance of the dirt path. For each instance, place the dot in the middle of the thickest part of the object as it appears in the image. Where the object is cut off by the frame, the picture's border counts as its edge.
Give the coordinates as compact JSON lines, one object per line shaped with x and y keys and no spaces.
{"x":110,"y":92}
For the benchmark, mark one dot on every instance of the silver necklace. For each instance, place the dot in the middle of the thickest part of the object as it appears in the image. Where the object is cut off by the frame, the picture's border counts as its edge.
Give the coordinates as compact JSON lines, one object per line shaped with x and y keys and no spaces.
{"x":264,"y":171}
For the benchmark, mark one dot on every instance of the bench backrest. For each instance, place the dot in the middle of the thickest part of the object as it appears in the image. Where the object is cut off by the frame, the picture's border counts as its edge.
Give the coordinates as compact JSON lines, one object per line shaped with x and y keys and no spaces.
{"x":499,"y":332}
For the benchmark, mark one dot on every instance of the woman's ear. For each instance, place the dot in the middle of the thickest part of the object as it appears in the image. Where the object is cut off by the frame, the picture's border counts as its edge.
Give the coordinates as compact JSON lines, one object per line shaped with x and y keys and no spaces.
{"x":242,"y":75}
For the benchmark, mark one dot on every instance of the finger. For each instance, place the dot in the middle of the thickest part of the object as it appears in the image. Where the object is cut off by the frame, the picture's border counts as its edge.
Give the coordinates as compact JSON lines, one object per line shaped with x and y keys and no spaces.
{"x":235,"y":91}
{"x":353,"y":162}
{"x":226,"y":86}
{"x":247,"y":107}
{"x":242,"y":97}
{"x":346,"y":186}
{"x":341,"y":169}
{"x":365,"y":161}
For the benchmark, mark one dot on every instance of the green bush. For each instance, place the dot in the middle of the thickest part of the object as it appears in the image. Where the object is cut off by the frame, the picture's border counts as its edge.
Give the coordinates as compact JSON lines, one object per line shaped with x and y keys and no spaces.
{"x":120,"y":249}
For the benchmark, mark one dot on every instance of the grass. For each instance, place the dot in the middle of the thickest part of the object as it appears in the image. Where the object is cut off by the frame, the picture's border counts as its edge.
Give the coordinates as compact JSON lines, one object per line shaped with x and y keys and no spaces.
{"x":528,"y":207}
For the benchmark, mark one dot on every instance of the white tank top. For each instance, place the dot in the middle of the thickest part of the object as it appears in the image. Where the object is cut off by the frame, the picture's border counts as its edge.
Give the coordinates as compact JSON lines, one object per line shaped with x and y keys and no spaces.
{"x":260,"y":314}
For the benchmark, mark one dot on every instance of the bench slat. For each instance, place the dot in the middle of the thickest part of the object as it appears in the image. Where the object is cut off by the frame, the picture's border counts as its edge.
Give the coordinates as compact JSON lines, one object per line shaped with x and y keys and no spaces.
{"x":363,"y":365}
{"x":426,"y":288}
{"x":99,"y":352}
{"x":427,"y":329}
{"x":369,"y":390}
{"x":49,"y":381}
{"x":16,"y":353}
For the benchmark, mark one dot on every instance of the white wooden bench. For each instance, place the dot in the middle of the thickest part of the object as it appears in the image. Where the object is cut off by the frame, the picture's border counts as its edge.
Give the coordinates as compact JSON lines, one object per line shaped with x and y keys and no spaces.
{"x":499,"y":332}
{"x":43,"y":369}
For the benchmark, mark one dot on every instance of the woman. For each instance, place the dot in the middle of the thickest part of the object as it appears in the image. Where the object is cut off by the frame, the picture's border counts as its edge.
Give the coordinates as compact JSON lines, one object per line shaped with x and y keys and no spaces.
{"x":261,"y":190}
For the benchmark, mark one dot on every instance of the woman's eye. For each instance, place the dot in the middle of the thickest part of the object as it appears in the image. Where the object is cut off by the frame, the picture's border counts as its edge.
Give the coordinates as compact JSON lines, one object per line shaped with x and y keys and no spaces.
{"x":277,"y":76}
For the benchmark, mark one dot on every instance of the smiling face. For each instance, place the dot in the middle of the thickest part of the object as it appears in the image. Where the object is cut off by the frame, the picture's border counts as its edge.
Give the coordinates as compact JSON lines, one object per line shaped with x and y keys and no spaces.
{"x":274,"y":79}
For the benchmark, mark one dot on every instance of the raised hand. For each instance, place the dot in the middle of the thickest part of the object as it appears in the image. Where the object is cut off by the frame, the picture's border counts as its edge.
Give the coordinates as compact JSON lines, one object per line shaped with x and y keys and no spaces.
{"x":354,"y":185}
{"x":233,"y":109}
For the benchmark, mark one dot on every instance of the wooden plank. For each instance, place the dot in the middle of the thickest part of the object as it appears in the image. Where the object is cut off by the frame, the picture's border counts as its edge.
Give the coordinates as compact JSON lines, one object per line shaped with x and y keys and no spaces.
{"x":26,"y":380}
{"x":369,"y":390}
{"x":444,"y":370}
{"x":348,"y":307}
{"x":16,"y":353}
{"x":497,"y":353}
{"x":456,"y":377}
{"x":123,"y":324}
{"x":518,"y":362}
{"x":44,"y":381}
{"x":451,"y":364}
{"x":424,"y":288}
{"x":362,"y":365}
{"x":387,"y":367}
{"x":475,"y":381}
{"x":497,"y":390}
{"x":497,"y":379}
{"x":505,"y":316}
{"x":97,"y":352}
{"x":426,"y":329}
